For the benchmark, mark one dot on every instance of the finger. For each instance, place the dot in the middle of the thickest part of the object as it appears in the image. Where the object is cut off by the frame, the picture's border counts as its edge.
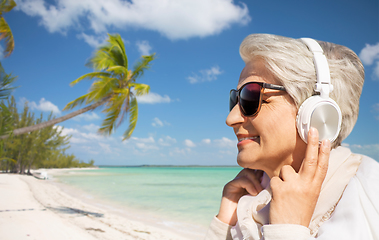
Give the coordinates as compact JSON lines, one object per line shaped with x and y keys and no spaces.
{"x":287,"y":173}
{"x":254,"y":176}
{"x":275,"y":184}
{"x":323,"y":161}
{"x":246,"y":184}
{"x":309,"y":164}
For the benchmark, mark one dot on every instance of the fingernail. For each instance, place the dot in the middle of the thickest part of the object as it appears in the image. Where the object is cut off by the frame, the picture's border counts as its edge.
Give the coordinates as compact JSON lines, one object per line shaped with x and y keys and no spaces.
{"x":312,"y":131}
{"x":326,"y":143}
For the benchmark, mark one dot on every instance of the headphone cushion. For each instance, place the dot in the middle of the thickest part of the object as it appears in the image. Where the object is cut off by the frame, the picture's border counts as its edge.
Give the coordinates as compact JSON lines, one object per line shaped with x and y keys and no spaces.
{"x":323,"y":114}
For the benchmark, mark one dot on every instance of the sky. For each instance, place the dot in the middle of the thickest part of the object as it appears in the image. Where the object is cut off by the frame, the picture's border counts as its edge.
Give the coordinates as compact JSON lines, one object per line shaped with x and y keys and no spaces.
{"x":182,"y":120}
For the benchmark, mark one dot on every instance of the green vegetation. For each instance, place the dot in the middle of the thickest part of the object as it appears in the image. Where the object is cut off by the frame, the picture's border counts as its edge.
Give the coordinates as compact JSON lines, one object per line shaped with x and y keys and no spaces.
{"x":44,"y":148}
{"x":114,"y":88}
{"x":5,"y":31}
{"x":27,"y":142}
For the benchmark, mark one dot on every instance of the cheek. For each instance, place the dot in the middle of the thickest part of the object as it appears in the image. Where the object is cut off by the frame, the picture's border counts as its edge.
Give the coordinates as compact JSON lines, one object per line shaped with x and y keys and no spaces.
{"x":281,"y":123}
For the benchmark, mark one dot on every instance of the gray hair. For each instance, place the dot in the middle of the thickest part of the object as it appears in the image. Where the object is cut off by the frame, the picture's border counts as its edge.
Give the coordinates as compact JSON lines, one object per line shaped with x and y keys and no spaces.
{"x":291,"y":63}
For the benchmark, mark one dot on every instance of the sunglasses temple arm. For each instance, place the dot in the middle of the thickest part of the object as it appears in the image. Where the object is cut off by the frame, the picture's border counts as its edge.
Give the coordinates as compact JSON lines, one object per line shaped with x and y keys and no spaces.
{"x":273,"y":86}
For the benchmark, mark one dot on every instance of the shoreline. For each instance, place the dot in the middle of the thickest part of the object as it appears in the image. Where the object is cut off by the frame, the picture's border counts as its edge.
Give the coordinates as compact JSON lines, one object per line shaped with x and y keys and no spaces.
{"x":47,"y":206}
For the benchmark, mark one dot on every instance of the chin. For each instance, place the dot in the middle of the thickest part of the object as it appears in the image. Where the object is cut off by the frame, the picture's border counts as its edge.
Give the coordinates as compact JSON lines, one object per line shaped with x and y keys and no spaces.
{"x":246,"y":163}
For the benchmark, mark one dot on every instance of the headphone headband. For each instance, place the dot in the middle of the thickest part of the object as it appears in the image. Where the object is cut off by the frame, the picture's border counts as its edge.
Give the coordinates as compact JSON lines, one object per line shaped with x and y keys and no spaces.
{"x":323,"y":85}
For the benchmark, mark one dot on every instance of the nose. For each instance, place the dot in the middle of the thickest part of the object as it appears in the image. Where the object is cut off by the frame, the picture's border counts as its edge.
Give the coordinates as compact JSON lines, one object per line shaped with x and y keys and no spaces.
{"x":235,"y":117}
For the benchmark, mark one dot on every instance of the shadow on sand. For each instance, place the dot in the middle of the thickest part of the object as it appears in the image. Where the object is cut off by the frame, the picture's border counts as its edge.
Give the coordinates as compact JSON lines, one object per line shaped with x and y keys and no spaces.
{"x":68,"y":210}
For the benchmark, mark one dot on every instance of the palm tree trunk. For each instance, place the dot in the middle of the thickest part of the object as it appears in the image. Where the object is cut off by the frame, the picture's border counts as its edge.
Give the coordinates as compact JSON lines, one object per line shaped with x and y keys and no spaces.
{"x":54,"y":121}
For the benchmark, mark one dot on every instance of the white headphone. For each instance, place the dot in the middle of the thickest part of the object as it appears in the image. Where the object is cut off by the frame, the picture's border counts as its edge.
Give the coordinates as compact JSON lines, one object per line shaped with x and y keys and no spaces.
{"x":319,"y":111}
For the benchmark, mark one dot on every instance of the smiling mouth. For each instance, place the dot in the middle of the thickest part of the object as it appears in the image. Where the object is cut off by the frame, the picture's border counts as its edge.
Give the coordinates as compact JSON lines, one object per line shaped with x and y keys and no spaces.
{"x":247,"y":138}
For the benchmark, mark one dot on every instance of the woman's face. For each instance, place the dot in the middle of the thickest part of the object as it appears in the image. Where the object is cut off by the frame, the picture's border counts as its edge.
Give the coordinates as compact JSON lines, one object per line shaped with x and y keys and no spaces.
{"x":268,"y":140}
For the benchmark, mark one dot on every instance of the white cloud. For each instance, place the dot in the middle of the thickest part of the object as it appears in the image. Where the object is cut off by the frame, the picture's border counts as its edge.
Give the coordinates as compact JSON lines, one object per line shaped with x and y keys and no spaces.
{"x":225,"y":143}
{"x":375,"y":110}
{"x":206,"y":141}
{"x":179,"y":151}
{"x":74,"y":133}
{"x":145,"y":147}
{"x":167,"y":141}
{"x":91,"y":127}
{"x":153,"y":98}
{"x":82,"y":137}
{"x":371,"y":150}
{"x":93,"y":136}
{"x":189,"y":143}
{"x":206,"y":75}
{"x":144,"y":47}
{"x":376,"y":70}
{"x":143,"y":144}
{"x":93,"y":41}
{"x":86,"y":117}
{"x":157,"y":122}
{"x":369,"y":54}
{"x":142,"y":140}
{"x":171,"y":18}
{"x":45,"y":106}
{"x":105,"y":147}
{"x":67,"y":131}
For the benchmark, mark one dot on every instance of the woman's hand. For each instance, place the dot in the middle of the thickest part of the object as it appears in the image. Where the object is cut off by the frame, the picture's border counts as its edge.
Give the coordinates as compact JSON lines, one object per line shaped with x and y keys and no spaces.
{"x":295,"y":194}
{"x":246,"y":182}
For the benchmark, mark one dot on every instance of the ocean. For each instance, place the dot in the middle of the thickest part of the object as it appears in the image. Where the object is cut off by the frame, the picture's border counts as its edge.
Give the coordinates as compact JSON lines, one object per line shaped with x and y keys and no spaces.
{"x":178,"y":194}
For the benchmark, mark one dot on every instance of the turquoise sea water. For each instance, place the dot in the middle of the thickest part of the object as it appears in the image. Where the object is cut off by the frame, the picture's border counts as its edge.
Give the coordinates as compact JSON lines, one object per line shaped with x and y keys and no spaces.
{"x":186,"y":194}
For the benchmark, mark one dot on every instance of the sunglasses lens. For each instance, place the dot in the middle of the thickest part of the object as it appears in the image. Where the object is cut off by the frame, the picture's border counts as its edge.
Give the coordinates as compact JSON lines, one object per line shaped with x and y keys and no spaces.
{"x":250,"y":99}
{"x":232,"y":99}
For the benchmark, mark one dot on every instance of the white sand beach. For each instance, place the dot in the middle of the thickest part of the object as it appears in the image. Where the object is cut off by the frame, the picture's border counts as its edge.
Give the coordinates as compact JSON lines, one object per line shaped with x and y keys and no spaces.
{"x":37,"y":209}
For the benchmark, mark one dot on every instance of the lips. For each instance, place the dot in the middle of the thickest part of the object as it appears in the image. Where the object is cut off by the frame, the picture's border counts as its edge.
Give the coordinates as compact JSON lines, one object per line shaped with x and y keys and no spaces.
{"x":247,"y":138}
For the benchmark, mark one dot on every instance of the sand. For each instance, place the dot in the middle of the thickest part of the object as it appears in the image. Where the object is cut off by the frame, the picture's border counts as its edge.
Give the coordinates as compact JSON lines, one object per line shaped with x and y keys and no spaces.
{"x":37,"y":209}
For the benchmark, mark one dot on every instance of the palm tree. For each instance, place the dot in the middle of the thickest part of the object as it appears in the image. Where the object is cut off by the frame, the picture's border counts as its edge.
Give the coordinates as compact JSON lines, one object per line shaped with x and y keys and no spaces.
{"x":114,"y":88}
{"x":5,"y":31}
{"x":5,"y":83}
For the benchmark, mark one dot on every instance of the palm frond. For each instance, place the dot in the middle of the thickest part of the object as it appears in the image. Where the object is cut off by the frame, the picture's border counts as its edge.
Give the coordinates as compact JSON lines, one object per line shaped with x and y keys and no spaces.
{"x":118,"y":70}
{"x":6,"y":119}
{"x":122,"y":91}
{"x":125,"y":111}
{"x":100,"y":60}
{"x":118,"y":50}
{"x":133,"y":116}
{"x":7,"y":5}
{"x":124,"y":96}
{"x":5,"y":83}
{"x":79,"y":101}
{"x":6,"y":33}
{"x":121,"y":99}
{"x":142,"y":65}
{"x":140,"y":88}
{"x":115,"y":101}
{"x":101,"y":88}
{"x":113,"y":112}
{"x":90,"y":76}
{"x":111,"y":54}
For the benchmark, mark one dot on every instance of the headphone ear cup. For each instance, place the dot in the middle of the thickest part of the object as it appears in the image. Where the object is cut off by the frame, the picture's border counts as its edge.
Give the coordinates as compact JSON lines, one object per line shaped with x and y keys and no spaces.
{"x":322,"y":114}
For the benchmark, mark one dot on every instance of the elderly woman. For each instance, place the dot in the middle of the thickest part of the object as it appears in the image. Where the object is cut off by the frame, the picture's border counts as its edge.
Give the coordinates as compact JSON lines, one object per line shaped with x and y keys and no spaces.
{"x":297,"y":182}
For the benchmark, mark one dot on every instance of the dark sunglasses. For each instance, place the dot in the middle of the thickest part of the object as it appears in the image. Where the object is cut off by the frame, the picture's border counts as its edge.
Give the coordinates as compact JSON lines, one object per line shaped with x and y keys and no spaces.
{"x":249,"y":97}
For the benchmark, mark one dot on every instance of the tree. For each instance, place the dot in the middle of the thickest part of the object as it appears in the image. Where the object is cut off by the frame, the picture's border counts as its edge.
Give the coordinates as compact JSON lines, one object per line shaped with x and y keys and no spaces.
{"x":43,"y":148}
{"x":5,"y":79}
{"x":114,"y":87}
{"x":5,"y":83}
{"x":5,"y":31}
